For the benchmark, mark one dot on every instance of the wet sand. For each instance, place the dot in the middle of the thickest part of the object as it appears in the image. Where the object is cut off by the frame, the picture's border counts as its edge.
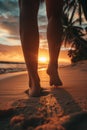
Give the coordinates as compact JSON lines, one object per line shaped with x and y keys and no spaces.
{"x":19,"y":111}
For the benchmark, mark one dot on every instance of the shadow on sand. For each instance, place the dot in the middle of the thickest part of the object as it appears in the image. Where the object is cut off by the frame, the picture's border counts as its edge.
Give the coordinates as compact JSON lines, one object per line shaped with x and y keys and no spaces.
{"x":66,"y":101}
{"x":57,"y":110}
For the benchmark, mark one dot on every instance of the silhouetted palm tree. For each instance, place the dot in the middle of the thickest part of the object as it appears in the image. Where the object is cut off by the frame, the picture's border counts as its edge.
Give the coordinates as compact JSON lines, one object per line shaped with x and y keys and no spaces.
{"x":42,"y":1}
{"x":73,"y":33}
{"x":83,"y":3}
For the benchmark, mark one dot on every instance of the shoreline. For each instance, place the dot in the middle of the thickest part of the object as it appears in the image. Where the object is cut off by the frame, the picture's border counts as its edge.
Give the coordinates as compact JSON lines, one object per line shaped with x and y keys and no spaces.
{"x":15,"y":79}
{"x":17,"y":107}
{"x":11,"y":67}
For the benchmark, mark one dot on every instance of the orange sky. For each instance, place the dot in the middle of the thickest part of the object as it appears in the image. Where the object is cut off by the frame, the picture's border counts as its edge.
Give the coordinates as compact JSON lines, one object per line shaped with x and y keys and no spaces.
{"x":63,"y":57}
{"x":14,"y":53}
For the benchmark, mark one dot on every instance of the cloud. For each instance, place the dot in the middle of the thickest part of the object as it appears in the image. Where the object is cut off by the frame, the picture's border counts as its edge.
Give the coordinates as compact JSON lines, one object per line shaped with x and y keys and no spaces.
{"x":9,"y":7}
{"x":11,"y":53}
{"x":11,"y":26}
{"x":9,"y":22}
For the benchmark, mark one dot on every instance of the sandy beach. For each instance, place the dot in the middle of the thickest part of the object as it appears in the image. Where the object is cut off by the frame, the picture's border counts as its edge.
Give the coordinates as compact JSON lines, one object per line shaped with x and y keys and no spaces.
{"x":18,"y":111}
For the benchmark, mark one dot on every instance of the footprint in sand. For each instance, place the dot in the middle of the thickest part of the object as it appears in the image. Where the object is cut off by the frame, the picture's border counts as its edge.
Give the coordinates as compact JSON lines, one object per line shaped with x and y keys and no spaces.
{"x":73,"y":122}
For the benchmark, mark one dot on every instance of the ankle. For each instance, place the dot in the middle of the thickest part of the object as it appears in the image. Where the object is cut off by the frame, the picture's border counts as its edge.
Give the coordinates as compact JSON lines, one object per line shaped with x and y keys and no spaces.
{"x":53,"y":65}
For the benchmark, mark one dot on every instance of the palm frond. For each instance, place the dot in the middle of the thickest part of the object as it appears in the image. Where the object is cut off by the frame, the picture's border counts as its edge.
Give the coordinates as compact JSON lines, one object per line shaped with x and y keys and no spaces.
{"x":73,"y":32}
{"x":84,"y":7}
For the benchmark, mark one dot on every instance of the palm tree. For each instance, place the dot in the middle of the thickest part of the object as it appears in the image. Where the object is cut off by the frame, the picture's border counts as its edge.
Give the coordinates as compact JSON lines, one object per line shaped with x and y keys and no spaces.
{"x":74,"y":34}
{"x":41,"y":1}
{"x":83,"y":3}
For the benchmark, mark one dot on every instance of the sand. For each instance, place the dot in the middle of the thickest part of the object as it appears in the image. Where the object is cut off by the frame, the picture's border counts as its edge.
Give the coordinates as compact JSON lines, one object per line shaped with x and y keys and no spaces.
{"x":64,"y":108}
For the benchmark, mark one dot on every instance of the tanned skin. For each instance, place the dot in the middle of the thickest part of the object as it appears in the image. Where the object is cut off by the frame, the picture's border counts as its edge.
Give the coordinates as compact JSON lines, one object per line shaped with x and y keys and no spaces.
{"x":30,"y":40}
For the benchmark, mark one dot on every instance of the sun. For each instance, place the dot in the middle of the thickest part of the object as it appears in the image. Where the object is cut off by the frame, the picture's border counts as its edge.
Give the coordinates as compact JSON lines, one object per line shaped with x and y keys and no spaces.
{"x":43,"y":59}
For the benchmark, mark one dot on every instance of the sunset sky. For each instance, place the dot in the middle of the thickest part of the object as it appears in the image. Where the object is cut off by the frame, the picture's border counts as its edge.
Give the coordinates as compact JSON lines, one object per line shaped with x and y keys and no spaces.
{"x":9,"y":28}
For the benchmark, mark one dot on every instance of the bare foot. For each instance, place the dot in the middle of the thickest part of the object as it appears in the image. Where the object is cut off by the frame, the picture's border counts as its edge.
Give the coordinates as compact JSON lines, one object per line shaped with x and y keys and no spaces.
{"x":54,"y":77}
{"x":34,"y":85}
{"x":31,"y":80}
{"x":35,"y":92}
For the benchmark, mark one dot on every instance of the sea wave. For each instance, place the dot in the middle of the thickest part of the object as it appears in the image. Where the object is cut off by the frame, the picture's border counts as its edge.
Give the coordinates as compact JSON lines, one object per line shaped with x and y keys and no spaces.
{"x":9,"y":67}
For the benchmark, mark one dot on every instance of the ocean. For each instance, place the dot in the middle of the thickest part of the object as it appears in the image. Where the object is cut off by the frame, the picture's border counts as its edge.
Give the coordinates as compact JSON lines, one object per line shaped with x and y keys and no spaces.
{"x":9,"y":67}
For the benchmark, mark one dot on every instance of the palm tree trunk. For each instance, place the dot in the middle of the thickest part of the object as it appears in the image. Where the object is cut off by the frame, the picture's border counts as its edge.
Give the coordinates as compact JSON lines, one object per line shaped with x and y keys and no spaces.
{"x":84,"y":6}
{"x":80,"y":13}
{"x":41,"y":1}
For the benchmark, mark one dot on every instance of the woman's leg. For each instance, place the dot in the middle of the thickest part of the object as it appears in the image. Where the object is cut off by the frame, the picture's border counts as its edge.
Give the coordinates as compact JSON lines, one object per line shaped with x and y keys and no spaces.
{"x":54,"y":36}
{"x":30,"y":41}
